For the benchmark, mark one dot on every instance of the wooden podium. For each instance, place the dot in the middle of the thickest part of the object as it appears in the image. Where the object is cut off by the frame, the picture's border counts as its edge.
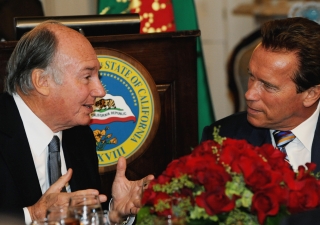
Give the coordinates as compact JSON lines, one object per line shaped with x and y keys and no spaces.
{"x":171,"y":59}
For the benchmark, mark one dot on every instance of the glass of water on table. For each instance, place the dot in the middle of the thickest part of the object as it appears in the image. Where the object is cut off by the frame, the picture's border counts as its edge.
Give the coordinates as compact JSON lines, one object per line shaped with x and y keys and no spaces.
{"x":87,"y":209}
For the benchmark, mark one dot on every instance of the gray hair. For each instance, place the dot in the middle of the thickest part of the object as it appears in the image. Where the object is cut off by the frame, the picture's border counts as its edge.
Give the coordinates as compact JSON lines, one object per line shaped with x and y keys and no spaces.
{"x":35,"y":50}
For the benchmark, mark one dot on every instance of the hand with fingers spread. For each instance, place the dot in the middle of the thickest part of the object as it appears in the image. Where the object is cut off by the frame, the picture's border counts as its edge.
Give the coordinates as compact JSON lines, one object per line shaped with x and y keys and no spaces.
{"x":54,"y":197}
{"x":126,"y":194}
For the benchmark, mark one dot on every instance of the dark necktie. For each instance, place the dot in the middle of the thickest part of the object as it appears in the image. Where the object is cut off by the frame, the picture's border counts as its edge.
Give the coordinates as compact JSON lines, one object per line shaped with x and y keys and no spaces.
{"x":282,"y":138}
{"x":54,"y":162}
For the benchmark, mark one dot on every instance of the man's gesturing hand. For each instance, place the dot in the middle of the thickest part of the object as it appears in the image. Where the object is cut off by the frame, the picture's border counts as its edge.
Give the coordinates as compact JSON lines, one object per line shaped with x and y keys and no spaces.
{"x":126,"y":194}
{"x":54,"y":197}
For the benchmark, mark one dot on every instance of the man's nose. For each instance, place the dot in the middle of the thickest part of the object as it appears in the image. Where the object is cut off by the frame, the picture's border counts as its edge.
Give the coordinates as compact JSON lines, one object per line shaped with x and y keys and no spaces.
{"x":252,"y":92}
{"x":98,"y":90}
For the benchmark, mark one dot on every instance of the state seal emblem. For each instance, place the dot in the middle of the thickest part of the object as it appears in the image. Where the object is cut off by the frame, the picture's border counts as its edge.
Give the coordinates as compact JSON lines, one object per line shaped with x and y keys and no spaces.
{"x":125,"y":120}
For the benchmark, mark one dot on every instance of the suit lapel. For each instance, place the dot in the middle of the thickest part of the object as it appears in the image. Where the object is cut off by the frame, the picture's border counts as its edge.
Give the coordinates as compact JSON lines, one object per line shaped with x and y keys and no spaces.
{"x":256,"y":136}
{"x":315,"y":151}
{"x":16,"y":152}
{"x":69,"y":155}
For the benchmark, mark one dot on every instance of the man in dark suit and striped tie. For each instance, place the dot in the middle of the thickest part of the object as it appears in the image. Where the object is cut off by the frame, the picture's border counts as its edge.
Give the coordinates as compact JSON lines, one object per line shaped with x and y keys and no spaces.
{"x":283,"y":94}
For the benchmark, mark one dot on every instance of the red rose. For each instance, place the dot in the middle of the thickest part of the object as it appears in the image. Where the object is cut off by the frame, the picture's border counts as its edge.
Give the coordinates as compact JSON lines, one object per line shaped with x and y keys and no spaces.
{"x":266,"y":203}
{"x":172,"y":171}
{"x":215,"y":202}
{"x":163,"y":179}
{"x":298,"y":182}
{"x":304,"y":191}
{"x":274,"y":157}
{"x":234,"y":150}
{"x":196,"y":163}
{"x":205,"y":147}
{"x":212,"y":176}
{"x":148,"y":196}
{"x":258,"y":174}
{"x":304,"y":199}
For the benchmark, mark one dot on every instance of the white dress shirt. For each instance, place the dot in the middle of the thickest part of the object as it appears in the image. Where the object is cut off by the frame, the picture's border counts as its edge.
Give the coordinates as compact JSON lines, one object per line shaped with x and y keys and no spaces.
{"x":39,"y":136}
{"x":299,"y":150}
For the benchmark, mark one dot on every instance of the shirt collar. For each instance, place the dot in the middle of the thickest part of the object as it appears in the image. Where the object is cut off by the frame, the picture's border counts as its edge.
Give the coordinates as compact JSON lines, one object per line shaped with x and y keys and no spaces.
{"x":38,"y":133}
{"x":306,"y":138}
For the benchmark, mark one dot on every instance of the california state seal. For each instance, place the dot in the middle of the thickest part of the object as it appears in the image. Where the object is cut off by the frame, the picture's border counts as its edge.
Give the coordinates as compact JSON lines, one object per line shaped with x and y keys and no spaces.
{"x":125,"y":119}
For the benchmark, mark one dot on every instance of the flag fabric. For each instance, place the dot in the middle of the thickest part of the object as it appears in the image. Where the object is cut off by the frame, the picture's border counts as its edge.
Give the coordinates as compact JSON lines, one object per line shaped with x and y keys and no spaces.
{"x":113,"y":7}
{"x":185,"y":18}
{"x":155,"y":16}
{"x":164,"y":16}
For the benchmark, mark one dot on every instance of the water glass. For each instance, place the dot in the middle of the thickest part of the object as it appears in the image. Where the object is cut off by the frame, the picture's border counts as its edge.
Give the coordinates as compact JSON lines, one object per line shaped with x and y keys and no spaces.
{"x":44,"y":222}
{"x":62,"y":214}
{"x":87,"y":209}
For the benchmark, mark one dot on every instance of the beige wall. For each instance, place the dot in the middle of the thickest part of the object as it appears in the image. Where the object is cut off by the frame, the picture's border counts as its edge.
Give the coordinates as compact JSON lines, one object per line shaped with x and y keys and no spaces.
{"x":69,"y":7}
{"x":220,"y":29}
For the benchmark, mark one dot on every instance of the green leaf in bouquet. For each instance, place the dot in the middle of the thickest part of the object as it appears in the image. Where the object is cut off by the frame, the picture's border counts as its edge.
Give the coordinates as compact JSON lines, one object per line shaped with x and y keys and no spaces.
{"x":246,"y":199}
{"x":144,"y":217}
{"x":199,"y":213}
{"x":162,"y":205}
{"x":236,"y":186}
{"x":175,"y":185}
{"x":216,"y":136}
{"x":239,"y":217}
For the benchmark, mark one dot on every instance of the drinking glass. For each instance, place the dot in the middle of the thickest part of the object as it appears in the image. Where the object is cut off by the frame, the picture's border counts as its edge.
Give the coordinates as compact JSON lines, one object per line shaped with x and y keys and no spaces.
{"x":87,"y":209}
{"x":44,"y":222}
{"x":62,"y":214}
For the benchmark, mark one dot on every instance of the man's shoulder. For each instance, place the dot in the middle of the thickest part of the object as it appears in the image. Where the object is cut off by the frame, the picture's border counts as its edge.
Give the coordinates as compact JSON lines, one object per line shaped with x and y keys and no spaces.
{"x":4,"y":97}
{"x":78,"y":131}
{"x":233,"y":126}
{"x":232,"y":120}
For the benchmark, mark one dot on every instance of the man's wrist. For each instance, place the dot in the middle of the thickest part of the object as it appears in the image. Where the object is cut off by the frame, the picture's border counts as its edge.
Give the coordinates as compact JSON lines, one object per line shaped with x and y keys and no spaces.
{"x":129,"y":220}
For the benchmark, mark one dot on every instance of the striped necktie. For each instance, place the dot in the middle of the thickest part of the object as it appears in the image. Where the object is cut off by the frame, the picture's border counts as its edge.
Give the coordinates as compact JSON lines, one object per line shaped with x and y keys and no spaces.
{"x":54,"y":161}
{"x":282,"y":138}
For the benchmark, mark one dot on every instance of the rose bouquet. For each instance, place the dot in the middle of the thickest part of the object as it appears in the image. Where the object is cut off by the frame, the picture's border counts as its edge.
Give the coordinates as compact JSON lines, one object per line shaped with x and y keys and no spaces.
{"x":226,"y":181}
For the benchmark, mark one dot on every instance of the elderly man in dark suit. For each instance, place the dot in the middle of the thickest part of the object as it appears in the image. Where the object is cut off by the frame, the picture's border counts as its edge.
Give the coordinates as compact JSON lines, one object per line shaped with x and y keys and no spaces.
{"x":283,"y":95}
{"x":51,"y":86}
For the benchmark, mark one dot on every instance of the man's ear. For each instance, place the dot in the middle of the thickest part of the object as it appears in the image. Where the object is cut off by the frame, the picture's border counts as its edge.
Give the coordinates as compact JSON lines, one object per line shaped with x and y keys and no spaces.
{"x":40,"y":81}
{"x":312,"y":96}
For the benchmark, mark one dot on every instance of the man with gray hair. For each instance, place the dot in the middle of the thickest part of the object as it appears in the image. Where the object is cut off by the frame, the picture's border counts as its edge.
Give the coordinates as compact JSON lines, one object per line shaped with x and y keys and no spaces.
{"x":50,"y":88}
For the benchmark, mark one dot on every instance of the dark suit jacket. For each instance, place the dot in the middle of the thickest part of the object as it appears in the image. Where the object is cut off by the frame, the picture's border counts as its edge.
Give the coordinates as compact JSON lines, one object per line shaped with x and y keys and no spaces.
{"x":236,"y":126}
{"x":19,"y":182}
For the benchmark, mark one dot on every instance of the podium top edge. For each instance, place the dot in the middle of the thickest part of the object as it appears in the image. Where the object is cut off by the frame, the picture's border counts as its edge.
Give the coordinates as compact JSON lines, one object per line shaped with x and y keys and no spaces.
{"x":122,"y":37}
{"x":175,"y":34}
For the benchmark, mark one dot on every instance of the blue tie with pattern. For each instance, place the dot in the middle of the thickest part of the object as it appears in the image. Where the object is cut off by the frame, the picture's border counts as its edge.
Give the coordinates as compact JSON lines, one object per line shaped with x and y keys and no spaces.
{"x":282,"y":138}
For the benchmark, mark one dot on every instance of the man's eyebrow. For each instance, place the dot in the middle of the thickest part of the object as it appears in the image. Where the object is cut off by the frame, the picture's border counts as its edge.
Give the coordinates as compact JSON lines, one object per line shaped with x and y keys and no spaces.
{"x":88,"y":68}
{"x":264,"y":81}
{"x":268,"y":84}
